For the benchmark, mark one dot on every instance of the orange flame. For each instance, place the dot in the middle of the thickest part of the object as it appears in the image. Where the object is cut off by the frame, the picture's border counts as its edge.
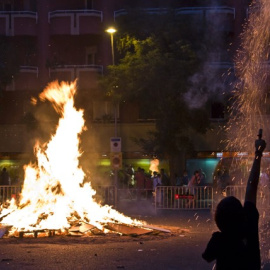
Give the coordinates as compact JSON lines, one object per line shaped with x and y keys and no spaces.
{"x":154,"y":165}
{"x":53,"y":192}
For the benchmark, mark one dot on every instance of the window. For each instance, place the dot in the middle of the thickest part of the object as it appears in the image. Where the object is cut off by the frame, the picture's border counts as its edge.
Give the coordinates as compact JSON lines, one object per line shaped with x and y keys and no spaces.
{"x":30,"y":5}
{"x":91,"y":55}
{"x":104,"y":111}
{"x":89,"y":4}
{"x":6,"y":5}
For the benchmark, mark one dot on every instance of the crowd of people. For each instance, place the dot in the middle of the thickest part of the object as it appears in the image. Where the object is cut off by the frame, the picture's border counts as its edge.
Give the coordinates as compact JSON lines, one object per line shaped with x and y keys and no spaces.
{"x":146,"y":182}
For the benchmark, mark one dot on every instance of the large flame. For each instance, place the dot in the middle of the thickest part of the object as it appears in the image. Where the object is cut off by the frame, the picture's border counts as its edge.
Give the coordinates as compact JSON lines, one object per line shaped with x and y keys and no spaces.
{"x":53,"y":192}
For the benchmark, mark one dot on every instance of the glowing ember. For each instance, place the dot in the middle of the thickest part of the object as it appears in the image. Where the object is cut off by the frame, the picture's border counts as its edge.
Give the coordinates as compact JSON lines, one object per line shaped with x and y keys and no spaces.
{"x":53,"y":193}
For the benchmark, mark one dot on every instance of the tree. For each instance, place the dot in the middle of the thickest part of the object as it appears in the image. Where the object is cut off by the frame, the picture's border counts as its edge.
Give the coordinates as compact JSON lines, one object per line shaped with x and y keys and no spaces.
{"x":154,"y":71}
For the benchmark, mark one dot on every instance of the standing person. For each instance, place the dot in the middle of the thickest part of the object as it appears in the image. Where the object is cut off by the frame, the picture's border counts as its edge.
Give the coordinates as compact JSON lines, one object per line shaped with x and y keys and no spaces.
{"x":4,"y":177}
{"x":202,"y":177}
{"x":193,"y":182}
{"x":164,"y":178}
{"x":185,"y":178}
{"x":130,"y":173}
{"x":225,"y":178}
{"x":236,"y":245}
{"x":4,"y":181}
{"x":140,"y":182}
{"x":219,"y":182}
{"x":156,"y":180}
{"x":140,"y":178}
{"x":195,"y":179}
{"x":264,"y":186}
{"x":148,"y":186}
{"x":264,"y":179}
{"x":178,"y":180}
{"x":156,"y":183}
{"x":268,"y":172}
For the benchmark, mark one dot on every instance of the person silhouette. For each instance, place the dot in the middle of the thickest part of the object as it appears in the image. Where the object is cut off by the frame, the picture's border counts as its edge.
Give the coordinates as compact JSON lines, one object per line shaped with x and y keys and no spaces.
{"x":4,"y":178}
{"x":236,"y":245}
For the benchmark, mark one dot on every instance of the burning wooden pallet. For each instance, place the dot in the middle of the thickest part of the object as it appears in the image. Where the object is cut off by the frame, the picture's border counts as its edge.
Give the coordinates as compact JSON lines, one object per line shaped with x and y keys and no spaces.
{"x":84,"y":229}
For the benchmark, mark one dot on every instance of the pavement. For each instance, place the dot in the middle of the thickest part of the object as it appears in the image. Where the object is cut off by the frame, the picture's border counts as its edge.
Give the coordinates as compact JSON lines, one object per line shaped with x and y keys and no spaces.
{"x":180,"y":249}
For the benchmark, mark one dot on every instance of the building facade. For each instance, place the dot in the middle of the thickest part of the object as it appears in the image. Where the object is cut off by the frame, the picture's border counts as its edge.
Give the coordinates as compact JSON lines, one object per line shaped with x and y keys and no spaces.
{"x":66,"y":40}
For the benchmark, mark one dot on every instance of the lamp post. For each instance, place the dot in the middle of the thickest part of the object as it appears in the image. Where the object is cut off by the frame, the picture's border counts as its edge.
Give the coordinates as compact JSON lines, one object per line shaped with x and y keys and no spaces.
{"x":111,"y":31}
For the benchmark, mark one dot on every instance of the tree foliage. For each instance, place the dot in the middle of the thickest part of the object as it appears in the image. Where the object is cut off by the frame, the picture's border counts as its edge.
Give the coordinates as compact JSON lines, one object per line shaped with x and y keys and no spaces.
{"x":154,"y":69}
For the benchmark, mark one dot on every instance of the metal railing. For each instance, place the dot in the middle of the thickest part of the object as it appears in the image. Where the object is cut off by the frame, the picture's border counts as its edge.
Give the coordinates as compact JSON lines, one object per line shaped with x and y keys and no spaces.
{"x":23,"y":13}
{"x":29,"y":69}
{"x":196,"y":10}
{"x":9,"y":192}
{"x":263,"y":195}
{"x":76,"y":69}
{"x":164,"y":197}
{"x":183,"y":10}
{"x":174,"y":198}
{"x":88,"y":12}
{"x":134,"y":194}
{"x":106,"y":194}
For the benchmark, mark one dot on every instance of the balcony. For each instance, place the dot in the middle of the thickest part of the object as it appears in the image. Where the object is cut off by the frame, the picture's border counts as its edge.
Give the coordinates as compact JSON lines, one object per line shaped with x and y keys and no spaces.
{"x":149,"y":11}
{"x":182,"y":11}
{"x":86,"y":74}
{"x":75,"y":22}
{"x":221,"y":65}
{"x":26,"y":79}
{"x":18,"y":23}
{"x":206,"y":11}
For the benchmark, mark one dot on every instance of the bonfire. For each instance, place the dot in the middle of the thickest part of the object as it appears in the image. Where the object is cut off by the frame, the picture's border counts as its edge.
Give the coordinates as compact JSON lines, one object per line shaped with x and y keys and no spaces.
{"x":54,"y":196}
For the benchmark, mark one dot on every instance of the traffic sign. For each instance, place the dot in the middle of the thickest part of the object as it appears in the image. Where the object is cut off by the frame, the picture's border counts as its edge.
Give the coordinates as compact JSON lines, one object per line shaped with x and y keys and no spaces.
{"x":116,"y":144}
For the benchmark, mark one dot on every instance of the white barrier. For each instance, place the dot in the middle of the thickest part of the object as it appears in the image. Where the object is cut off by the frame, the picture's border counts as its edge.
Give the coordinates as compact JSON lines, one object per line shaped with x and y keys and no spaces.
{"x":134,"y":194}
{"x":174,"y":198}
{"x":106,"y":194}
{"x":263,"y":195}
{"x":9,"y":192}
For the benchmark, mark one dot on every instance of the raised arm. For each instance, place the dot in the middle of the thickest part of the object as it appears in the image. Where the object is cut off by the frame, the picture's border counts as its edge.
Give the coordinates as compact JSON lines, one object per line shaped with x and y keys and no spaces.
{"x":253,"y":180}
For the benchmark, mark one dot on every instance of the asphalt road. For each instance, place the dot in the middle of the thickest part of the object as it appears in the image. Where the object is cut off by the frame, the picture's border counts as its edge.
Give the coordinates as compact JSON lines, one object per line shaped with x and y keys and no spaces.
{"x":180,"y":249}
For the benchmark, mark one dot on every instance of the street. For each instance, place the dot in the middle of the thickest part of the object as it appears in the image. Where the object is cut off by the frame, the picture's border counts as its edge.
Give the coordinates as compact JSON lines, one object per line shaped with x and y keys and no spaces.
{"x":180,"y":249}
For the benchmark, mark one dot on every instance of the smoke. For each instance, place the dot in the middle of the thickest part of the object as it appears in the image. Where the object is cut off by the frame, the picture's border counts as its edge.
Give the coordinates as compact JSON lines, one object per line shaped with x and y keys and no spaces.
{"x":214,"y":77}
{"x":205,"y":84}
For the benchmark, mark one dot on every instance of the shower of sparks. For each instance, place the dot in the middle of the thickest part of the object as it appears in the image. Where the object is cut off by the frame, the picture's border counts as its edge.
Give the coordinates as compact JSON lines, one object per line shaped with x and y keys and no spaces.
{"x":251,"y":99}
{"x":247,"y":114}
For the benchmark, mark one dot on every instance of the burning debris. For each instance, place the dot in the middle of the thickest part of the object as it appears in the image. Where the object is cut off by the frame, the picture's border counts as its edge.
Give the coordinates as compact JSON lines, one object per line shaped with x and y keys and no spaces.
{"x":54,"y":198}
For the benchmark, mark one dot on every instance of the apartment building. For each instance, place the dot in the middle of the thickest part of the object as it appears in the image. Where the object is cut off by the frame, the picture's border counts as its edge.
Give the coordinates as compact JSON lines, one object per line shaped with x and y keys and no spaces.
{"x":66,"y":40}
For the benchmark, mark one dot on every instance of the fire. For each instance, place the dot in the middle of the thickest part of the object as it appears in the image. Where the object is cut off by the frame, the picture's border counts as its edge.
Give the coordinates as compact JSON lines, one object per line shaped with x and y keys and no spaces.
{"x":154,"y":165}
{"x":53,"y":192}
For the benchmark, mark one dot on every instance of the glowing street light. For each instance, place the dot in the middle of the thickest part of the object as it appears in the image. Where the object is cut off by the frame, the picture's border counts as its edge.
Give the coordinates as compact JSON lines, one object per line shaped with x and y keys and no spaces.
{"x":111,"y":31}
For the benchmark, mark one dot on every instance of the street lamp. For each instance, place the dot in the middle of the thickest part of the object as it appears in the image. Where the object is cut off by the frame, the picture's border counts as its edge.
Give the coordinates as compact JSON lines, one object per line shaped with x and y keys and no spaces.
{"x":114,"y":140}
{"x":111,"y":31}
